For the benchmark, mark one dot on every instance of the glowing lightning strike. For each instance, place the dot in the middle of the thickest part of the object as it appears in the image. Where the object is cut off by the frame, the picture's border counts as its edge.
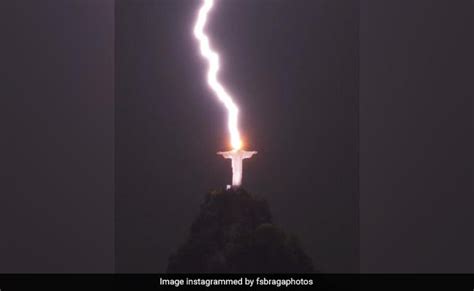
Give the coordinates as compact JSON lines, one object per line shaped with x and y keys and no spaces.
{"x":213,"y":59}
{"x":237,"y":155}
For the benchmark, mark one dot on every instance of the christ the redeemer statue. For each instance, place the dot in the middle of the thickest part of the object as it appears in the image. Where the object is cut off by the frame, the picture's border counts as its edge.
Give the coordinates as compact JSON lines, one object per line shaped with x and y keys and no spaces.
{"x":237,"y":156}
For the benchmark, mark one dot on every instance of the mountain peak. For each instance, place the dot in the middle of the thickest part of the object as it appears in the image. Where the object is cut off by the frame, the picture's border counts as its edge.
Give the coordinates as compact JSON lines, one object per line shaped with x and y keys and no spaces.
{"x":234,"y":233}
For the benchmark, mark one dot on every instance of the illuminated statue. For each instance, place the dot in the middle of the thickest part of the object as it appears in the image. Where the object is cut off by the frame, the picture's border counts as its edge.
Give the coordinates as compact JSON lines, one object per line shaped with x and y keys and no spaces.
{"x":212,"y":58}
{"x":237,"y":156}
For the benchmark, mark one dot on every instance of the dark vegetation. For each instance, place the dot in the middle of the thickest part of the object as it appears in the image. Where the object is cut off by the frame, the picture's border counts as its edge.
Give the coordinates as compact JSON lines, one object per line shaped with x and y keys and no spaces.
{"x":234,"y":233}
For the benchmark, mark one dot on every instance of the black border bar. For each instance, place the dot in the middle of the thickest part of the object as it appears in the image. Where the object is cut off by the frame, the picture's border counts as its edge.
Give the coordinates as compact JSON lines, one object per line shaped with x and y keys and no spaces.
{"x":52,"y":282}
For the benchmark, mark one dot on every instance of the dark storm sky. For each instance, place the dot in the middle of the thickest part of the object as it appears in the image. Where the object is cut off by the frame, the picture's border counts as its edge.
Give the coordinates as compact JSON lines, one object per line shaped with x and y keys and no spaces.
{"x":416,"y":136}
{"x":361,"y":112}
{"x":56,"y":136}
{"x":293,"y":67}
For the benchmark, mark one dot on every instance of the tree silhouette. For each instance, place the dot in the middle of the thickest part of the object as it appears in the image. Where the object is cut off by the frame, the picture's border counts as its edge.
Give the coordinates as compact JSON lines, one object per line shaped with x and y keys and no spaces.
{"x":234,"y":233}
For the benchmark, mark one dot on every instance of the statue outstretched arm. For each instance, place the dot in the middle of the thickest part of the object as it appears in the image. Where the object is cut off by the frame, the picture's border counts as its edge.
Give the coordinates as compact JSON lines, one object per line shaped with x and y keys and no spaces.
{"x":227,"y":155}
{"x":248,"y":154}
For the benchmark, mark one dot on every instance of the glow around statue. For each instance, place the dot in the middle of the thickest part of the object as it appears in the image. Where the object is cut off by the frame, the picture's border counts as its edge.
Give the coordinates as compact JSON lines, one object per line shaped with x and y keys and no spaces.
{"x":212,"y":58}
{"x":237,"y":156}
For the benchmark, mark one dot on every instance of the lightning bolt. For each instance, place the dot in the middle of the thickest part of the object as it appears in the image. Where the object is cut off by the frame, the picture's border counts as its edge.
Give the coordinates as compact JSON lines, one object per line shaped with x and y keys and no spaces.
{"x":213,"y":68}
